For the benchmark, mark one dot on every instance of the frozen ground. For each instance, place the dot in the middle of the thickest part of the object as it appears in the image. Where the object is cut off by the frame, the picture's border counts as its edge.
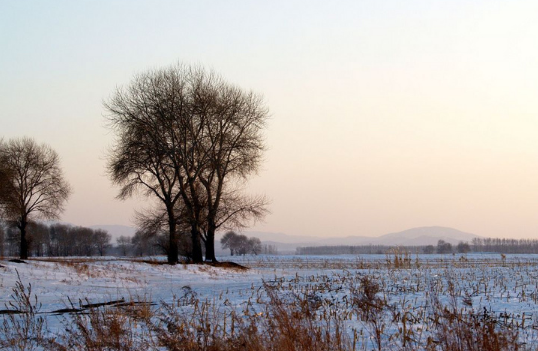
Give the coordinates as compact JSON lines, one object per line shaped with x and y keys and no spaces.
{"x":501,"y":287}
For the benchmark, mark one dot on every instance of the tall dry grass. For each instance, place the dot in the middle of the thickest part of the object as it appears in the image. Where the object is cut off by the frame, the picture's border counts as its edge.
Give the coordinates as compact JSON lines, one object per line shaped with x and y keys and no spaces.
{"x":277,"y":320}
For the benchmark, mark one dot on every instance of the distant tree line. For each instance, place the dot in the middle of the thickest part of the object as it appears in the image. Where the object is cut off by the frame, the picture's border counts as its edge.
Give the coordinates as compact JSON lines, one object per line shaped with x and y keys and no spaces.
{"x":350,"y":250}
{"x":145,"y":243}
{"x":503,"y":245}
{"x":268,"y":249}
{"x":496,"y":245}
{"x":54,"y":240}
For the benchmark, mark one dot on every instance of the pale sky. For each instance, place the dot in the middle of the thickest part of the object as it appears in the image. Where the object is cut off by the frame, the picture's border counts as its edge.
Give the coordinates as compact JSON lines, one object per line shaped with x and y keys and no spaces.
{"x":385,"y":115}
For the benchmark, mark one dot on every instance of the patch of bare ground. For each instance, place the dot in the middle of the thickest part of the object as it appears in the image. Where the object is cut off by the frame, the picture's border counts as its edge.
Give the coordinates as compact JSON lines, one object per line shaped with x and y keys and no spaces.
{"x":229,"y":265}
{"x":68,"y":260}
{"x":152,"y":262}
{"x":16,"y":260}
{"x":226,"y":265}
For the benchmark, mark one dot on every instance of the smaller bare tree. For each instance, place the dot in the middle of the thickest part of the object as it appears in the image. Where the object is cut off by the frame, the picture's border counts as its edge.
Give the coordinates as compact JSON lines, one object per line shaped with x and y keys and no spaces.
{"x":229,"y":241}
{"x":124,"y":244}
{"x":31,"y":185}
{"x":254,"y":246}
{"x":101,"y":240}
{"x":240,"y":244}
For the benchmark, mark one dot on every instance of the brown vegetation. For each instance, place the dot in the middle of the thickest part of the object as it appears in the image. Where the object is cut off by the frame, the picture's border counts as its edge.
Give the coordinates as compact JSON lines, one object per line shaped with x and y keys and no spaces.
{"x":280,"y":320}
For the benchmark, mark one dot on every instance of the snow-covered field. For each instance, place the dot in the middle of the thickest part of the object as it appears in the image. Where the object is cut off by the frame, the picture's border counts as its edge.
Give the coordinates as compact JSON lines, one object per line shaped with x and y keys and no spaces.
{"x":489,"y":286}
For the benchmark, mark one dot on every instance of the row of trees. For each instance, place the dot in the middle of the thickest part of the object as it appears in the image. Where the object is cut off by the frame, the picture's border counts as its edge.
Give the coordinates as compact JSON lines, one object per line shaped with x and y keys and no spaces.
{"x":142,"y":244}
{"x":55,"y":240}
{"x":442,"y":247}
{"x":503,"y":245}
{"x":497,"y":245}
{"x":351,"y":249}
{"x":188,"y":140}
{"x":184,"y":137}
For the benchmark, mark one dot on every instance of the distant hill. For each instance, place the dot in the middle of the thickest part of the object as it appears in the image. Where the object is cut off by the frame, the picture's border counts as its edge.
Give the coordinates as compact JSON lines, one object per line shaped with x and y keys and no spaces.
{"x":427,"y":236}
{"x":410,"y":237}
{"x":283,"y":238}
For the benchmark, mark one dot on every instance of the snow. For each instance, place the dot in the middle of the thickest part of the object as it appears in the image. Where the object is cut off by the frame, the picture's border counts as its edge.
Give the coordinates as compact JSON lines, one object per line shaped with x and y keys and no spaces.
{"x":507,"y":288}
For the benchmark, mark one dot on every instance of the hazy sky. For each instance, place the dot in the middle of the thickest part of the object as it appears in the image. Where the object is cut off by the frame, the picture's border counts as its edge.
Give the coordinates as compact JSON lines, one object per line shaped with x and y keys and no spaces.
{"x":385,"y":115}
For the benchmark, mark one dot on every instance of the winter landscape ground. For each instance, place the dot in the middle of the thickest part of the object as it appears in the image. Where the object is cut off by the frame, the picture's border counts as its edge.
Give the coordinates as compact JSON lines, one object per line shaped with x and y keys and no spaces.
{"x":387,"y":302}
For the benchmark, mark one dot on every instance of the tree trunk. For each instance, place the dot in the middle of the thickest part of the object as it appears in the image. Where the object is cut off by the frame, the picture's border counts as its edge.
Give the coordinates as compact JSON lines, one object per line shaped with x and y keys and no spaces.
{"x":24,"y":241}
{"x":172,"y":249}
{"x":210,"y":245}
{"x":197,"y":256}
{"x":210,"y":249}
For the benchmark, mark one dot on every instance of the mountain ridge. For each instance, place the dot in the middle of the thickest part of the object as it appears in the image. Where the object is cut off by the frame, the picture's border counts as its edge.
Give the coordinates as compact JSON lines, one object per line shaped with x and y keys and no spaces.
{"x":448,"y":234}
{"x":410,"y":237}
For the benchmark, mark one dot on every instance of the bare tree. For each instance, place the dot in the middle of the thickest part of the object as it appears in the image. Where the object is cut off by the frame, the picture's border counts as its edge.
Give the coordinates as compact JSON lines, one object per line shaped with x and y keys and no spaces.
{"x":145,"y":243}
{"x":183,"y":134}
{"x":152,"y":225}
{"x":13,"y":239}
{"x":61,"y":242}
{"x":33,"y":185}
{"x":139,"y":161}
{"x":124,"y":244}
{"x":428,"y":249}
{"x":235,"y":212}
{"x":229,"y":241}
{"x":443,"y":247}
{"x":234,"y":146}
{"x":240,"y":244}
{"x":463,"y":247}
{"x":101,"y":240}
{"x":145,"y":157}
{"x":82,"y":241}
{"x":38,"y":238}
{"x":254,"y":246}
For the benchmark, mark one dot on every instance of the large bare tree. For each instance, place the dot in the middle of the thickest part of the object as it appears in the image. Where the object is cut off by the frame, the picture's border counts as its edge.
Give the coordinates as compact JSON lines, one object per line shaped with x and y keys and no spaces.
{"x":140,"y":161}
{"x":145,"y":158}
{"x":234,"y":147}
{"x":183,"y":133}
{"x":32,"y":184}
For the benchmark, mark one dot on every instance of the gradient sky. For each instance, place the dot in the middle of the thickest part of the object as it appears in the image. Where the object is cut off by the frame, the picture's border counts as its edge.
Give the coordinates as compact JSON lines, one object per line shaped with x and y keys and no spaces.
{"x":385,"y":115}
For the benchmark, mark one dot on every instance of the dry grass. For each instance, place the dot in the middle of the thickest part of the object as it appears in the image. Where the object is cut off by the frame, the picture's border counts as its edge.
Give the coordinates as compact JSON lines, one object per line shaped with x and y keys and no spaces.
{"x":457,"y":330}
{"x":285,"y":314}
{"x":22,"y":329}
